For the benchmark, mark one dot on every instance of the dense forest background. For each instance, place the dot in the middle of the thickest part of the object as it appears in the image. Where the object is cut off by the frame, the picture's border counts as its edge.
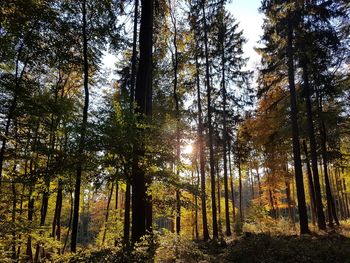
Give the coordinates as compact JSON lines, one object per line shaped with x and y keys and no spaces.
{"x":183,"y":148}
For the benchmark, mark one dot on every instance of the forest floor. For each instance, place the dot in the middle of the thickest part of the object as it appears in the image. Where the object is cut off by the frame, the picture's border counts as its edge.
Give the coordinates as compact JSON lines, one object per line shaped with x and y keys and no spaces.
{"x":269,"y":247}
{"x":278,"y":245}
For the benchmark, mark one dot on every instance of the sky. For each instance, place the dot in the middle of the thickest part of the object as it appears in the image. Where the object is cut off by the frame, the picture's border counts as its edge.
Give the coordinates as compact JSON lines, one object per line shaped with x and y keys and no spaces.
{"x":250,"y":20}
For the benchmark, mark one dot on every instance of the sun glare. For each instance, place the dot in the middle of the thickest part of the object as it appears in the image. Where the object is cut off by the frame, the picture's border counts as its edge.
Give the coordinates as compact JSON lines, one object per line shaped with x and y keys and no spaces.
{"x":188,"y":149}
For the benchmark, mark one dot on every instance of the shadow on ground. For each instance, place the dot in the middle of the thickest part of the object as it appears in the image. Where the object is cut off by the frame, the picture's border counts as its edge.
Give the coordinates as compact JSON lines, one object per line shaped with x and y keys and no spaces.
{"x":265,"y":248}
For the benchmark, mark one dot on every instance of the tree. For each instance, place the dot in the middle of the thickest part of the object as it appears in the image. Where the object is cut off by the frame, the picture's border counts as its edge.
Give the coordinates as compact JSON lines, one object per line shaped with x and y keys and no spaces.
{"x":141,"y":202}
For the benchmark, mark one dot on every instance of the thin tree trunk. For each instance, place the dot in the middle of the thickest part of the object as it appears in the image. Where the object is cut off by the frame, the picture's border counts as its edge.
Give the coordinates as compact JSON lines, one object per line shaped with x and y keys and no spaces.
{"x":251,"y":182}
{"x":224,"y":142}
{"x":259,"y":184}
{"x":107,"y":213}
{"x":330,"y":201}
{"x":310,"y":185}
{"x":82,"y":134}
{"x":126,"y":236}
{"x":304,"y":228}
{"x":200,"y":142}
{"x":196,"y":205}
{"x":13,"y":220}
{"x":134,"y":53}
{"x":69,"y":223}
{"x":209,"y":109}
{"x":321,"y":222}
{"x":116,"y":208}
{"x":289,"y":201}
{"x":231,"y":184}
{"x":21,"y":209}
{"x":219,"y":196}
{"x":56,"y":225}
{"x":175,"y":63}
{"x":240,"y":191}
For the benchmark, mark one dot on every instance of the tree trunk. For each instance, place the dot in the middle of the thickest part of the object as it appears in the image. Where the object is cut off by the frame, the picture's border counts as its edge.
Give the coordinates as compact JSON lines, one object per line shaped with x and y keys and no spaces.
{"x":210,"y":126}
{"x":177,"y":116}
{"x":126,"y":235}
{"x":134,"y":53}
{"x":196,"y":205}
{"x":219,"y":196}
{"x":82,"y":133}
{"x":321,"y":222}
{"x":289,"y":201}
{"x":240,"y":192}
{"x":231,"y":184}
{"x":107,"y":213}
{"x":141,"y":202}
{"x":69,"y":223}
{"x":330,"y":200}
{"x":304,"y":228}
{"x":310,"y":185}
{"x":200,"y":142}
{"x":56,"y":225}
{"x":224,"y":141}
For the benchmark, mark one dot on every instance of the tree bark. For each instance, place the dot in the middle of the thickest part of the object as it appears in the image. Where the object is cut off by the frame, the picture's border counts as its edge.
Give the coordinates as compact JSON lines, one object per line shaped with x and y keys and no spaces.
{"x":224,"y":142}
{"x":210,"y":126}
{"x":126,"y":235}
{"x":304,"y":228}
{"x":200,"y":142}
{"x":141,"y":202}
{"x":321,"y":222}
{"x":231,"y":184}
{"x":310,"y":185}
{"x":175,"y":63}
{"x":107,"y":213}
{"x":82,"y":133}
{"x":240,"y":192}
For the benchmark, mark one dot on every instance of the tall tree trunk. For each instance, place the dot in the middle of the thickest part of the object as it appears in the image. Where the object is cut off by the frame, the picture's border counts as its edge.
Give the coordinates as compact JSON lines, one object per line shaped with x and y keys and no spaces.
{"x":200,"y":142}
{"x":56,"y":225}
{"x":289,"y":201}
{"x":29,"y":252}
{"x":141,"y":201}
{"x":175,"y":63}
{"x":310,"y":185}
{"x":321,"y":222}
{"x":304,"y":228}
{"x":330,"y":201}
{"x":196,"y":204}
{"x":210,"y":126}
{"x":13,"y":220}
{"x":107,"y":213}
{"x":69,"y":222}
{"x":116,"y":208}
{"x":82,"y":133}
{"x":134,"y":53}
{"x":259,"y":184}
{"x":332,"y":214}
{"x":126,"y":235}
{"x":31,"y":200}
{"x":251,"y":178}
{"x":219,"y":195}
{"x":240,"y":191}
{"x":231,"y":183}
{"x":224,"y":141}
